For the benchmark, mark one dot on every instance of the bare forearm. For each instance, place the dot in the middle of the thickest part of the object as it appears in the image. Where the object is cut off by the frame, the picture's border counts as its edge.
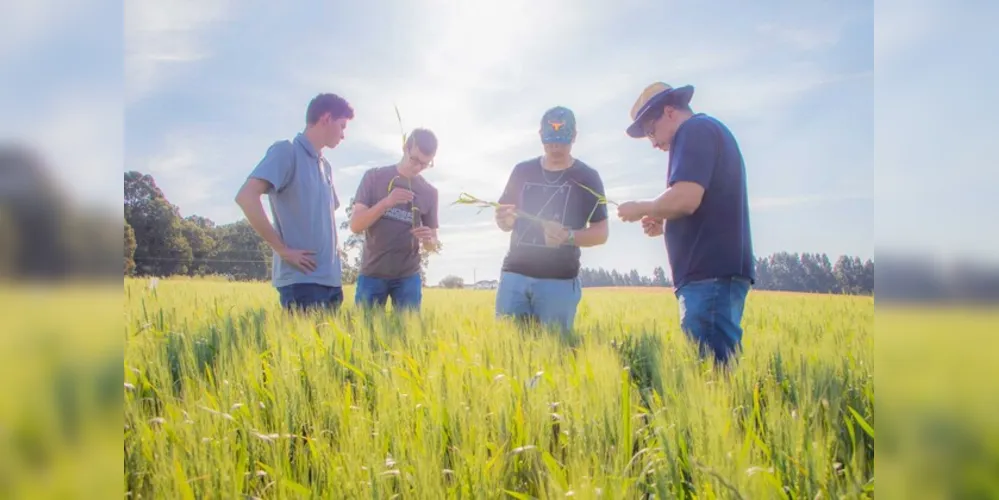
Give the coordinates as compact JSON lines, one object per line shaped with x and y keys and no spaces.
{"x":253,"y":209}
{"x":363,"y":217}
{"x":668,"y":206}
{"x":591,"y":236}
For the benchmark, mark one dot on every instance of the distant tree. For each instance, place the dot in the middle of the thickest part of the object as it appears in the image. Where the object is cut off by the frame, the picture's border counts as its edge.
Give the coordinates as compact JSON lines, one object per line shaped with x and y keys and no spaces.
{"x":846,"y":275}
{"x":634,"y":279}
{"x":199,"y":232}
{"x":353,"y":242}
{"x":867,"y":278}
{"x":452,"y":281}
{"x":240,"y":252}
{"x":129,"y":250}
{"x":161,"y":247}
{"x":659,"y":277}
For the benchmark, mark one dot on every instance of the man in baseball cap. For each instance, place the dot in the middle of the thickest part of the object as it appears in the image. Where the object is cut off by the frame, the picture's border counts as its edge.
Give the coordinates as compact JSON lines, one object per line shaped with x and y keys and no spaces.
{"x":705,"y":210}
{"x":540,"y":275}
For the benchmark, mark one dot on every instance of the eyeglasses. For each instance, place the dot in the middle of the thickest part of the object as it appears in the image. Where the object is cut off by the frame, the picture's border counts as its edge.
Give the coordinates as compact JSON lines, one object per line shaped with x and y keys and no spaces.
{"x":649,"y":127}
{"x":420,"y":163}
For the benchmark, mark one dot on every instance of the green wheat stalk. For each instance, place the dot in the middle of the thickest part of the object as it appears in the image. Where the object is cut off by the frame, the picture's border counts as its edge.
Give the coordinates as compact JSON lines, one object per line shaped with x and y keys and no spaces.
{"x":402,"y":130}
{"x":467,"y":199}
{"x":414,"y":210}
{"x":600,"y":198}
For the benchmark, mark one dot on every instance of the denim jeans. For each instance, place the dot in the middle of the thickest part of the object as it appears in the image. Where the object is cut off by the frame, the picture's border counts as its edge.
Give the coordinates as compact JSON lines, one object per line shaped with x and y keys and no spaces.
{"x":551,"y":301}
{"x":302,"y":296}
{"x":711,"y":314}
{"x":405,"y":292}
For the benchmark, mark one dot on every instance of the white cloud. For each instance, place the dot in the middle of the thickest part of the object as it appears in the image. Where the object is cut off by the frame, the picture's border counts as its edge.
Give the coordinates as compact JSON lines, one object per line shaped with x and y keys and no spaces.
{"x":160,"y":34}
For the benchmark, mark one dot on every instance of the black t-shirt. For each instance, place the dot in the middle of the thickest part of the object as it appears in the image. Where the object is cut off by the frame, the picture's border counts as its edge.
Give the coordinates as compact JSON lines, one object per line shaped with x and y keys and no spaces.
{"x":550,"y":195}
{"x":714,"y":241}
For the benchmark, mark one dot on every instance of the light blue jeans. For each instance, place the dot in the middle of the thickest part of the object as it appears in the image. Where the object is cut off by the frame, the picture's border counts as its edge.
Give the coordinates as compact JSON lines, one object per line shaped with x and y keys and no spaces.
{"x":550,"y":301}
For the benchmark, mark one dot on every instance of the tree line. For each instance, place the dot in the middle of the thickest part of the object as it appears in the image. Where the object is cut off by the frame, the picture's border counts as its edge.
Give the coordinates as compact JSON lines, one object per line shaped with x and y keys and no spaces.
{"x":159,"y":241}
{"x":806,"y":272}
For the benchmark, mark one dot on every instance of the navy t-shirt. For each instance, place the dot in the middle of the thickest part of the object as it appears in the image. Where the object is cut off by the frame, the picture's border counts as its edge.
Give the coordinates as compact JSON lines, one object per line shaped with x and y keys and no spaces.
{"x":714,"y":241}
{"x":550,"y":195}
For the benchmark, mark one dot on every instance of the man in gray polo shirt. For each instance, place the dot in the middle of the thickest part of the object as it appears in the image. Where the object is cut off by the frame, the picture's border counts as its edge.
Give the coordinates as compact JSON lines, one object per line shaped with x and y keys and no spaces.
{"x":299,"y":184}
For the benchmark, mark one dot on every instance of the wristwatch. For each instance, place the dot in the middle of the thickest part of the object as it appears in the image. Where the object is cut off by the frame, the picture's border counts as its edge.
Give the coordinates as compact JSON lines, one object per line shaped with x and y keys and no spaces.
{"x":572,"y":237}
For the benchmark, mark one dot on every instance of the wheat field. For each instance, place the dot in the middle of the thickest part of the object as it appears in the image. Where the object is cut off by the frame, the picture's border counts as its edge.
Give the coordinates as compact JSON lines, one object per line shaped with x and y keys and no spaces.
{"x":228,"y":396}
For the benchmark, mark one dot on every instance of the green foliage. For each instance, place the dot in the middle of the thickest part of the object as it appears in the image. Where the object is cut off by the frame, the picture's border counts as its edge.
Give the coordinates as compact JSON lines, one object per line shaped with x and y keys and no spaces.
{"x":452,"y":281}
{"x":129,"y":250}
{"x":161,"y":248}
{"x":233,"y":397}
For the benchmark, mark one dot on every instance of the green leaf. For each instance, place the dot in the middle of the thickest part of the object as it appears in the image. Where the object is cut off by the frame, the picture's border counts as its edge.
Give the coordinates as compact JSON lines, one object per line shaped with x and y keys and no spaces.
{"x":863,"y":423}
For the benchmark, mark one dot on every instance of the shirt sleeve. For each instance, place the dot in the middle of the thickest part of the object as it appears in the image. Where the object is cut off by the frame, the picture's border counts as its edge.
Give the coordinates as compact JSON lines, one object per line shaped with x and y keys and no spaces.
{"x":696,"y":153}
{"x":600,"y":209}
{"x":509,"y":196}
{"x":277,"y":165}
{"x":365,"y":195}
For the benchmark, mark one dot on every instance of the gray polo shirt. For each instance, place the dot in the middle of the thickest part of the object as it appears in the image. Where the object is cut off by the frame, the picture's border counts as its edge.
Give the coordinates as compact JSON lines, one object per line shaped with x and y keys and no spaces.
{"x":303,"y":203}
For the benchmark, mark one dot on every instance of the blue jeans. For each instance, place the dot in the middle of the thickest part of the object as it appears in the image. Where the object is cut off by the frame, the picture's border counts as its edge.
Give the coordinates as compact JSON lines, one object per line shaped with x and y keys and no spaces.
{"x":405,"y":292}
{"x":711,"y":314}
{"x":551,"y":301}
{"x":302,"y":296}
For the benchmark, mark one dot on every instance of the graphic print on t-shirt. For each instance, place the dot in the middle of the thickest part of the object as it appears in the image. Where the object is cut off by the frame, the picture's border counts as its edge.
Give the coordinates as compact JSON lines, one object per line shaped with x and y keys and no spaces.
{"x":399,"y":214}
{"x":545,"y":201}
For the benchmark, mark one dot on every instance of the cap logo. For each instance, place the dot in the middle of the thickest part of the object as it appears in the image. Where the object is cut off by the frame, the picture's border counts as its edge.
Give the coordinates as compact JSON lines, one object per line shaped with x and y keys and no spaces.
{"x":556,"y":125}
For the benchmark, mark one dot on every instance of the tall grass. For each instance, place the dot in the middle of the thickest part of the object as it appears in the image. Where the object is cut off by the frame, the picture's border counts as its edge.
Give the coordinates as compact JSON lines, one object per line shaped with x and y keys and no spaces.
{"x":228,"y":396}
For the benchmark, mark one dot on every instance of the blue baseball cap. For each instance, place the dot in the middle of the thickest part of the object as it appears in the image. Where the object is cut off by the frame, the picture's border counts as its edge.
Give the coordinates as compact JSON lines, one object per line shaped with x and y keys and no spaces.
{"x":558,"y":125}
{"x":656,"y":95}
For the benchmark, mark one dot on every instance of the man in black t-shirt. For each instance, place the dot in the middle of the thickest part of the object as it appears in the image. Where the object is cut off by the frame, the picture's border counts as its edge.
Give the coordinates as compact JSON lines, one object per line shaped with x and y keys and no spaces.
{"x":550,"y":208}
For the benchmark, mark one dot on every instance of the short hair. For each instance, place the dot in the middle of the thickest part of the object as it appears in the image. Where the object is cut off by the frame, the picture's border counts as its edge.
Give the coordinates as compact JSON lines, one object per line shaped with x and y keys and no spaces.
{"x":336,"y":106}
{"x":424,"y":139}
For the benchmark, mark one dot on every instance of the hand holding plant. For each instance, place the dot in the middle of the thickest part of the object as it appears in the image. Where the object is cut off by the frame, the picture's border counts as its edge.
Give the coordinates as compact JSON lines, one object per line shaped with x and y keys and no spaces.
{"x":506,"y":216}
{"x":399,"y":196}
{"x":555,"y":234}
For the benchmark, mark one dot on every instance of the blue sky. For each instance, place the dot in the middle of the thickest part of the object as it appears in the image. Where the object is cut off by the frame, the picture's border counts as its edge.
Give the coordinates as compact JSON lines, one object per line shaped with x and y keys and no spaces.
{"x":197,"y":90}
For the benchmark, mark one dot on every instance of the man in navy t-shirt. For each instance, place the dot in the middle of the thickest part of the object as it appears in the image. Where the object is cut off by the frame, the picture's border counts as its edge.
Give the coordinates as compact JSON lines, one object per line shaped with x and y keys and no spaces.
{"x":705,"y":210}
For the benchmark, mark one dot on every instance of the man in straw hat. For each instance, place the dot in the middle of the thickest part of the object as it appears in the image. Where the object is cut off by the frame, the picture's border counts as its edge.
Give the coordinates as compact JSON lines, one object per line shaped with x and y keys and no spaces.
{"x":556,"y":193}
{"x":705,"y":211}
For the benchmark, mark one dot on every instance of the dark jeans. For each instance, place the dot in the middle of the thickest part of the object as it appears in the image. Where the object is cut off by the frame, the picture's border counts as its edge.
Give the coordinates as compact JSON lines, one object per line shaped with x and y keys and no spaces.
{"x":303,"y":296}
{"x":711,"y":314}
{"x":406,"y":293}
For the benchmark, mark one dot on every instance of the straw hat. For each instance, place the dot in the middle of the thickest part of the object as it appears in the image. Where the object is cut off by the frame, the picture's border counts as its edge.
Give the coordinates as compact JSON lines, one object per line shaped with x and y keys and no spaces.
{"x":656,"y":95}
